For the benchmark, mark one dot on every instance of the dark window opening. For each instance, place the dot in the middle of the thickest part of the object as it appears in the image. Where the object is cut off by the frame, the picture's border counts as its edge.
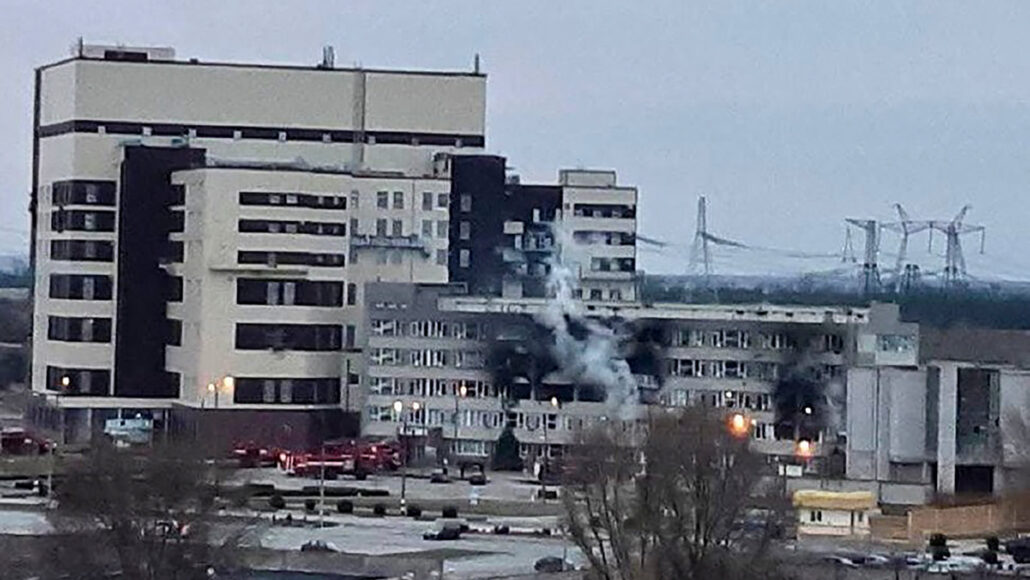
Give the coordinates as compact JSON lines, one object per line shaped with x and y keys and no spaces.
{"x":302,"y":337}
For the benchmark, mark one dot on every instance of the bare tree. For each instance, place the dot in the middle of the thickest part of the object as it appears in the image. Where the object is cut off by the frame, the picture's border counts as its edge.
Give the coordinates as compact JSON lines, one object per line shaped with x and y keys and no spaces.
{"x":680,"y":504}
{"x":144,"y":515}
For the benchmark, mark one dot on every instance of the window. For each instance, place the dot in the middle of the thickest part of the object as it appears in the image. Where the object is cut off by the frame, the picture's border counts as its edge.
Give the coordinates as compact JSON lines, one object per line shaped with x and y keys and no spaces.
{"x":443,"y":200}
{"x":398,"y":200}
{"x":174,"y":337}
{"x":441,"y":257}
{"x":81,"y":381}
{"x":381,"y":227}
{"x":895,"y":343}
{"x":292,"y":199}
{"x":427,"y":200}
{"x":292,"y":258}
{"x":615,"y":295}
{"x":463,"y":258}
{"x":466,"y":202}
{"x":464,"y":230}
{"x":397,"y":229}
{"x":83,"y":193}
{"x":297,"y":391}
{"x":80,"y":287}
{"x":384,"y":328}
{"x":71,"y":329}
{"x":383,"y":200}
{"x":427,"y":228}
{"x":355,"y":198}
{"x":815,"y":515}
{"x":301,"y":337}
{"x":442,"y":227}
{"x":288,"y":292}
{"x":596,"y":294}
{"x":82,"y":250}
{"x":353,"y":227}
{"x":83,"y":221}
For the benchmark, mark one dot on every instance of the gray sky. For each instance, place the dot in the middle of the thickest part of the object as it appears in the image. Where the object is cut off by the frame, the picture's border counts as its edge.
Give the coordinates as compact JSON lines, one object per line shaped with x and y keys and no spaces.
{"x":789,"y":116}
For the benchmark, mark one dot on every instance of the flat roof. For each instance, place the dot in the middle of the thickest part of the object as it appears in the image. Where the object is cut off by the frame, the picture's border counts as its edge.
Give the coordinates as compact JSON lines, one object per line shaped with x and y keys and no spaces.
{"x":266,"y":66}
{"x":665,"y":311}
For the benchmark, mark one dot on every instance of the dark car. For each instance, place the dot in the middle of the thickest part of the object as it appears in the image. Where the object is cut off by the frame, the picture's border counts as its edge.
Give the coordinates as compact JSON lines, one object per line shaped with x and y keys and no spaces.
{"x":1020,"y":549}
{"x":439,"y":477}
{"x":477,"y":479}
{"x":549,"y":564}
{"x":318,"y":546}
{"x":448,"y":531}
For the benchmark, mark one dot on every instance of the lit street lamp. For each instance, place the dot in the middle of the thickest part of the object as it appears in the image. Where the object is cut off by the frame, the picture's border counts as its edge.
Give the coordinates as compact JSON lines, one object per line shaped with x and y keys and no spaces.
{"x":459,"y":394}
{"x":398,"y":408}
{"x":545,"y":470}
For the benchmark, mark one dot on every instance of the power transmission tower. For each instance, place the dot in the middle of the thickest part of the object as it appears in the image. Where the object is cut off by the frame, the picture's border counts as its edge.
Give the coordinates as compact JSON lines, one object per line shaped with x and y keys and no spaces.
{"x":700,"y":252}
{"x":870,"y":269}
{"x":904,"y":227}
{"x":954,"y":261}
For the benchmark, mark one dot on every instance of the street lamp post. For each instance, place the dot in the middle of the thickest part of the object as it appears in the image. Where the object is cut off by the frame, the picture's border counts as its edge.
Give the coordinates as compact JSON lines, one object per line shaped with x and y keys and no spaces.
{"x":545,"y":469}
{"x":459,"y":394}
{"x":398,"y":408}
{"x":227,"y":383}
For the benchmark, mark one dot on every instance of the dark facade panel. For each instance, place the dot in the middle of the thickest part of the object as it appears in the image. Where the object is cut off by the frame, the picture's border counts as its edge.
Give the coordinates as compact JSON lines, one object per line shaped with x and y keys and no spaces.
{"x":144,"y":220}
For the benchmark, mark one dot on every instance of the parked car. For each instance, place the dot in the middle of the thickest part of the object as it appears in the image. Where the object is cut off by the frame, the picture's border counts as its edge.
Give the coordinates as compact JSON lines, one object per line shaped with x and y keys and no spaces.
{"x":439,"y":476}
{"x":1019,"y":548}
{"x":478,"y":479}
{"x":954,"y":565}
{"x":549,"y":564}
{"x":318,"y":546}
{"x":450,"y":530}
{"x":840,"y":561}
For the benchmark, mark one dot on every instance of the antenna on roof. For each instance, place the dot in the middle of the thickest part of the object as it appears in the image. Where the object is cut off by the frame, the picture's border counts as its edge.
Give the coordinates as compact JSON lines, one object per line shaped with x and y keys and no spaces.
{"x":76,"y":48}
{"x":328,"y":57}
{"x":475,"y":64}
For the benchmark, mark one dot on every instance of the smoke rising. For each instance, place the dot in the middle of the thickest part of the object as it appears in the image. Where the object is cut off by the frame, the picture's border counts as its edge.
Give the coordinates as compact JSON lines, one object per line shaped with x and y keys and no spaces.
{"x":585,"y":350}
{"x":807,"y":401}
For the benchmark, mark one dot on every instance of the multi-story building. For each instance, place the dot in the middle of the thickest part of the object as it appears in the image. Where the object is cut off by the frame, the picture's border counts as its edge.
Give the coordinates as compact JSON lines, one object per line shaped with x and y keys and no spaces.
{"x":955,"y":423}
{"x":507,"y":232}
{"x":196,"y":221}
{"x":475,"y":364}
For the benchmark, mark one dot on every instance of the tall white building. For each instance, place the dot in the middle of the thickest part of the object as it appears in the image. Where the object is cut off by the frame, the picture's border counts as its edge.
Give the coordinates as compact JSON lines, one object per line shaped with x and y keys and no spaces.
{"x":194,"y":221}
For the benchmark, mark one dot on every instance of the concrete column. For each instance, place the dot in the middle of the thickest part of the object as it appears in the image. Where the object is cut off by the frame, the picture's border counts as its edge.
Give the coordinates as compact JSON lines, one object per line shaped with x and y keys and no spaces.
{"x":946,"y":428}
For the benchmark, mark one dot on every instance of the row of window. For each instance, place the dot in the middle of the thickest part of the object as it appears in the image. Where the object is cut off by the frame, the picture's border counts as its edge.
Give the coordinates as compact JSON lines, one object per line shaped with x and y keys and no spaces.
{"x":612,"y":264}
{"x":384,"y":200}
{"x":78,"y":381}
{"x":293,"y":199}
{"x":79,"y":329}
{"x":719,"y":338}
{"x":428,"y":357}
{"x":293,"y":292}
{"x":302,"y":337}
{"x":83,"y":192}
{"x":77,"y":220}
{"x":80,"y":287}
{"x":428,"y":329}
{"x":422,"y":387}
{"x":82,"y":250}
{"x":604,"y":210}
{"x":728,"y":399}
{"x":292,"y":227}
{"x":295,"y":391}
{"x":723,"y":369}
{"x":590,"y":237}
{"x":478,"y":418}
{"x":324,"y":260}
{"x":385,"y":256}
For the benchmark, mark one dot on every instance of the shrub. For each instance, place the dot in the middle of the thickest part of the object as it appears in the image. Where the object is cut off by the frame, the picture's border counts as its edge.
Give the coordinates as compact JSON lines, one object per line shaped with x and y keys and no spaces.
{"x":277,"y":502}
{"x":414,"y":511}
{"x":379,"y":509}
{"x":991,"y":558}
{"x":345,"y":506}
{"x":309,"y":505}
{"x":506,"y":452}
{"x":993,"y":544}
{"x":938,"y":541}
{"x":450,"y":512}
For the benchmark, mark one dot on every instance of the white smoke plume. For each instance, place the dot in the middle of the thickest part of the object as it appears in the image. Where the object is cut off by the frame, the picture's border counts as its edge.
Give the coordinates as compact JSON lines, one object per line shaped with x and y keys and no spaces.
{"x":595,"y":358}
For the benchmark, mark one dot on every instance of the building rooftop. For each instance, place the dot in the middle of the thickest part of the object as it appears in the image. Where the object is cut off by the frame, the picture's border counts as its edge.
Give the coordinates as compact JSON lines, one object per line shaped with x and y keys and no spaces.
{"x":976,"y":345}
{"x":671,"y":311}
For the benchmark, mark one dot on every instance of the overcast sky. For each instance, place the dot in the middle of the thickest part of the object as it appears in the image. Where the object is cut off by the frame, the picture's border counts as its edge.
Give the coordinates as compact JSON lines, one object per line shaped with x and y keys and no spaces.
{"x":789,"y":116}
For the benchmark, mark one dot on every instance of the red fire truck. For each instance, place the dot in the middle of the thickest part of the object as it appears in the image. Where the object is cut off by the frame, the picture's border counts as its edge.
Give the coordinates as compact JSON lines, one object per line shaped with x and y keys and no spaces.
{"x":357,"y":458}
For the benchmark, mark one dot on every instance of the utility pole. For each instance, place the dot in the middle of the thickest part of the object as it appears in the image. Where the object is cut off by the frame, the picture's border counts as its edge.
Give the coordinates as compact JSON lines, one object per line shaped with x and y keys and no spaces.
{"x":870,"y":269}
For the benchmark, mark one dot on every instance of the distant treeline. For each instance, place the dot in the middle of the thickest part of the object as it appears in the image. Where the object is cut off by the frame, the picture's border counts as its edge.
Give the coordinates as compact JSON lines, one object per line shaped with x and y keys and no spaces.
{"x":15,"y":279}
{"x":988,"y":308}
